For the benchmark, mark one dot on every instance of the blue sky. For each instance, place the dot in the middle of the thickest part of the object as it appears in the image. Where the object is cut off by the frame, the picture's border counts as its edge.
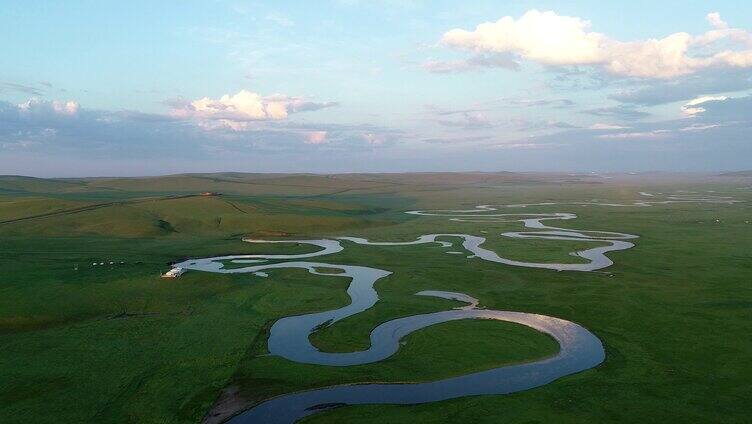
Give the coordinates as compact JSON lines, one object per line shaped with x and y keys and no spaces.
{"x":143,"y":87}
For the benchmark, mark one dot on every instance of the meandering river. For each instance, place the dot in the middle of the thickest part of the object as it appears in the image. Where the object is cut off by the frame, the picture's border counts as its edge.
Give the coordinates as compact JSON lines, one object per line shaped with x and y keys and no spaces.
{"x":289,"y":336}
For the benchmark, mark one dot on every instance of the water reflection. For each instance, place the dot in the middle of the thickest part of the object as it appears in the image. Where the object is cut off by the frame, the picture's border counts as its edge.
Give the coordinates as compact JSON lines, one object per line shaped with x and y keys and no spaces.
{"x":290,"y":339}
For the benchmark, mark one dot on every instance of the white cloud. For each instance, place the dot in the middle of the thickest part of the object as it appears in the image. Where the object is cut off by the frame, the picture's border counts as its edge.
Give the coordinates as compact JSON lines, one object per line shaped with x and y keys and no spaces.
{"x":245,"y":105}
{"x":374,"y":139}
{"x":469,"y":120}
{"x":715,"y":21}
{"x":235,"y":111}
{"x":692,"y":107}
{"x":316,"y":137}
{"x":541,"y":36}
{"x":552,"y":39}
{"x":645,"y":135}
{"x":39,"y":107}
{"x":600,"y":126}
{"x":699,"y":127}
{"x":522,"y":146}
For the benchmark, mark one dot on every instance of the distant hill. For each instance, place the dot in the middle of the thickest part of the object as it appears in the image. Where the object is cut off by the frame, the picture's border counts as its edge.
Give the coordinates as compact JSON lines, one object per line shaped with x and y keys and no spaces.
{"x":441,"y":178}
{"x":258,"y":184}
{"x":737,"y":174}
{"x":21,"y":184}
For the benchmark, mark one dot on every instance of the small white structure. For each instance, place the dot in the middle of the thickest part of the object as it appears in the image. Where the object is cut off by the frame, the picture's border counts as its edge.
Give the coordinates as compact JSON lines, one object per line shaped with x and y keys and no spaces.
{"x":174,"y":273}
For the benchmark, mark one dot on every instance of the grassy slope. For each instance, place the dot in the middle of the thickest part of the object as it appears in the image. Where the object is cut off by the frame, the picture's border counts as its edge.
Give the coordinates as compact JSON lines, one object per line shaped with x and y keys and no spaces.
{"x":117,"y":344}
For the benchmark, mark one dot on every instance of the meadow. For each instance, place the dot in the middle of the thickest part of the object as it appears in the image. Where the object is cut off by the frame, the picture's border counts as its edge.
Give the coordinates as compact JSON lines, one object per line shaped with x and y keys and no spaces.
{"x":116,"y":343}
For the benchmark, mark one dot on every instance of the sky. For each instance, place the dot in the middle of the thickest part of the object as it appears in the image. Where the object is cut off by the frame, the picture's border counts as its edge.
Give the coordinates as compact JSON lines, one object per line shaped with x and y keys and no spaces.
{"x":105,"y":88}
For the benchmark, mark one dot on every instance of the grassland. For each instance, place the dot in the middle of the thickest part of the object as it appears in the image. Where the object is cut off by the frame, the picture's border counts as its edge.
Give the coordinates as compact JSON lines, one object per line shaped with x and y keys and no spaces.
{"x":115,"y":343}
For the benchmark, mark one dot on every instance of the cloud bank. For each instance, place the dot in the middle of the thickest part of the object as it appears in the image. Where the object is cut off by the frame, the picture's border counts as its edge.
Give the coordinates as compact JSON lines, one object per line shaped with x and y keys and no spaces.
{"x":242,"y":124}
{"x":551,"y":39}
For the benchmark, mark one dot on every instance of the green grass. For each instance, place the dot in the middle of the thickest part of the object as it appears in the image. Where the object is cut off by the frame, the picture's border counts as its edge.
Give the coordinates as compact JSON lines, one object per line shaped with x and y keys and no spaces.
{"x":538,"y":250}
{"x":119,"y":344}
{"x":466,"y":346}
